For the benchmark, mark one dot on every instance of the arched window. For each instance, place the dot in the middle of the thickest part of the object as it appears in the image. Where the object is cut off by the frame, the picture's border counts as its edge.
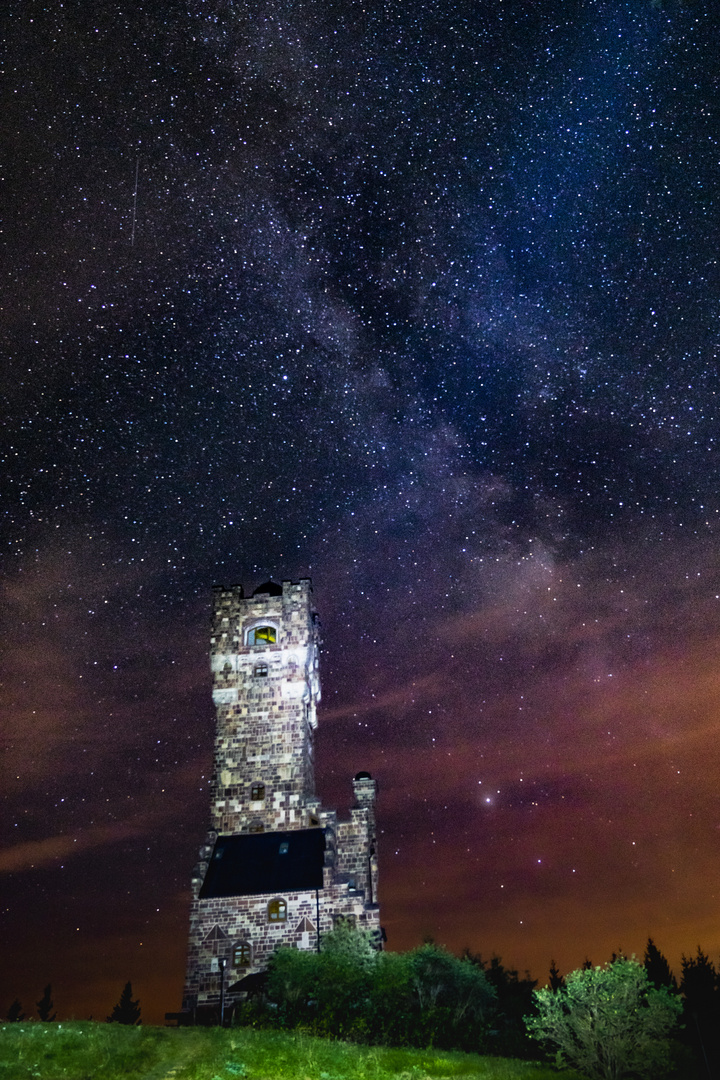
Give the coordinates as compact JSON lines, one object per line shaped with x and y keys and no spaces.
{"x":257,"y":792}
{"x":277,"y":910}
{"x":242,"y":954}
{"x":260,"y":671}
{"x":262,"y":635}
{"x":256,"y":826}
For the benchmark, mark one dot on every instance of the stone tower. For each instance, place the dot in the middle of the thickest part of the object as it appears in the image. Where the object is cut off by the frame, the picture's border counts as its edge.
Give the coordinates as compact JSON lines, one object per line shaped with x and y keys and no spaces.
{"x":275,"y":867}
{"x":264,"y":661}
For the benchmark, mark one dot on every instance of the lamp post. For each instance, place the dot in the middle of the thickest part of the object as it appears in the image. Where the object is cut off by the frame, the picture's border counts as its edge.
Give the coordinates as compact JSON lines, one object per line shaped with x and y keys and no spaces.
{"x":222,"y":964}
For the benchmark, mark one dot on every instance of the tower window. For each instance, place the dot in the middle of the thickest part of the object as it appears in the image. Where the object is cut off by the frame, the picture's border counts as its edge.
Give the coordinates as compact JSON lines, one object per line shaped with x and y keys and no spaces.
{"x":257,"y":792}
{"x":242,"y":954}
{"x":256,"y":826}
{"x":260,"y":671}
{"x":277,"y":910}
{"x":262,"y":635}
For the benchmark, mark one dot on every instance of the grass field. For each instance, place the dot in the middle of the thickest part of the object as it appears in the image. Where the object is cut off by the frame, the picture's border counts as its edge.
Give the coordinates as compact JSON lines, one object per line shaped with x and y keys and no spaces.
{"x":92,"y":1051}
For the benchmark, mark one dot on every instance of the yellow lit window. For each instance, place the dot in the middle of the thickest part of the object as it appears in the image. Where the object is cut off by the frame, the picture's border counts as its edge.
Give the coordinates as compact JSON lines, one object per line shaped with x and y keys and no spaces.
{"x":277,"y":910}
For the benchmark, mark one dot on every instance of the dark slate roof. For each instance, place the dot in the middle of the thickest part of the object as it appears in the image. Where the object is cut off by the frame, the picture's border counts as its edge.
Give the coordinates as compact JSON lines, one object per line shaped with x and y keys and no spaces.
{"x":252,"y":863}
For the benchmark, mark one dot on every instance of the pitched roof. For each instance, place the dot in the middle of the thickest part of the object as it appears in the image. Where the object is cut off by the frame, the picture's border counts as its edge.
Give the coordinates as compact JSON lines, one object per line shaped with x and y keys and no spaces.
{"x":271,"y":862}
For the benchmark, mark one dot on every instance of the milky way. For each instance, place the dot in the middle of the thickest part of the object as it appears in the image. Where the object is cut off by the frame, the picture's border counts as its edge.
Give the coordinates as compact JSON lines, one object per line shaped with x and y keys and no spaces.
{"x":422,"y":301}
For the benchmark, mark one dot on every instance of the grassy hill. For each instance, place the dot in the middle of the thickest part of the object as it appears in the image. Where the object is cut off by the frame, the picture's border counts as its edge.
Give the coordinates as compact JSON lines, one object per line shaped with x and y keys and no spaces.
{"x":93,"y":1051}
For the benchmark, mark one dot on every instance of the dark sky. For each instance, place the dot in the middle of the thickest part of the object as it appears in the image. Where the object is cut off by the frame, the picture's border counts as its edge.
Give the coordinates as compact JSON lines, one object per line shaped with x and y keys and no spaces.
{"x":421,"y":300}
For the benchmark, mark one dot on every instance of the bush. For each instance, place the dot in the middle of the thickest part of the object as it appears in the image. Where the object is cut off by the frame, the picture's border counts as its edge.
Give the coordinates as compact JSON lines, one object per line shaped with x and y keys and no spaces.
{"x":349,"y":990}
{"x":609,"y":1022}
{"x":454,"y":996}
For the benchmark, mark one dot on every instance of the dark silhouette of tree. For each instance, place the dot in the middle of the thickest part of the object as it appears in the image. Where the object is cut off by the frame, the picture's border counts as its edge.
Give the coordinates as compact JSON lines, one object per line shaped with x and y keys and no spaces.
{"x":587,"y":964}
{"x":15,"y":1012}
{"x":699,"y":987}
{"x":699,"y":983}
{"x":126,"y":1011}
{"x":514,"y":1002}
{"x":657,"y":967}
{"x":556,"y":980}
{"x":45,"y":1005}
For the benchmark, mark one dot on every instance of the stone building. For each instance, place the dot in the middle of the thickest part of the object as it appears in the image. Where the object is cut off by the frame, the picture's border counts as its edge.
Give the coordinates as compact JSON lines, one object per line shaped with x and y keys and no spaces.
{"x":275,"y":868}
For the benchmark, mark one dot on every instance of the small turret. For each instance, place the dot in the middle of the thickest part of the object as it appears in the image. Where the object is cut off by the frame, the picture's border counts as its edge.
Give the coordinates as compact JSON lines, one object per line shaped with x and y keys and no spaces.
{"x":365,"y":789}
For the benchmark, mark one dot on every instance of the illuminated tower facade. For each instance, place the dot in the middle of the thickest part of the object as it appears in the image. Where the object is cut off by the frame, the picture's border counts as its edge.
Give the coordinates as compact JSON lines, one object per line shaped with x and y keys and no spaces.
{"x":264,"y":661}
{"x":275,"y":867}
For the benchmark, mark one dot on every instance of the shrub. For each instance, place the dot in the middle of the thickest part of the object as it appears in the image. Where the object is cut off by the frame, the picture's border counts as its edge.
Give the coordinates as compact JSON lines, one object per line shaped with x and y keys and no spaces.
{"x":609,"y":1022}
{"x":349,"y":990}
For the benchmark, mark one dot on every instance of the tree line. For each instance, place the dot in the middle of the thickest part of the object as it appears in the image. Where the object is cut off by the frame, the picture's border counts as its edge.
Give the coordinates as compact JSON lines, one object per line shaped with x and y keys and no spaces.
{"x":625,"y":1018}
{"x":126,"y":1011}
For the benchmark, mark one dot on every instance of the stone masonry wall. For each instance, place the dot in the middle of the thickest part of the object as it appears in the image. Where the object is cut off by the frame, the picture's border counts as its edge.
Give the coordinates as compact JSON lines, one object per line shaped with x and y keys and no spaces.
{"x":265,"y":696}
{"x":217,"y":926}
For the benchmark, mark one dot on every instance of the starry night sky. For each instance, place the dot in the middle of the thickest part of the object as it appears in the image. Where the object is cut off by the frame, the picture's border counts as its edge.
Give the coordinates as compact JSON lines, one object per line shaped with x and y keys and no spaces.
{"x":420,"y":300}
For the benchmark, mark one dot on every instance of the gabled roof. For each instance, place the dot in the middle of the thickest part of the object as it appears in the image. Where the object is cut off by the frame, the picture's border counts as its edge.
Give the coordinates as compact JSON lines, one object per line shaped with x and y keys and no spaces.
{"x":271,"y":862}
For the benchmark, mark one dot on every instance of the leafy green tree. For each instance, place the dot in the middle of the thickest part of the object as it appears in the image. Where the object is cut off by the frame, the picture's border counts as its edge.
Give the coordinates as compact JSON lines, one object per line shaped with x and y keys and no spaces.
{"x":355,"y":945}
{"x":350,"y":990}
{"x":454,"y":996}
{"x":15,"y":1012}
{"x":327,"y":992}
{"x":45,"y":1005}
{"x":608,"y":1022}
{"x":126,"y":1011}
{"x":393,"y":1012}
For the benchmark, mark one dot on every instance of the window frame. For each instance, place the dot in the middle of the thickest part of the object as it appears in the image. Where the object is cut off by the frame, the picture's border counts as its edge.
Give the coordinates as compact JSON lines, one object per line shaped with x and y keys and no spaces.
{"x":260,"y":624}
{"x":244,"y":947}
{"x":277,"y":910}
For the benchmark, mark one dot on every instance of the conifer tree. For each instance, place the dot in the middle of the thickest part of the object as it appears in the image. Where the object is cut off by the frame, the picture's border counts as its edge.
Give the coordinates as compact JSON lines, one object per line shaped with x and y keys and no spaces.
{"x":657,"y":967}
{"x":699,"y":983}
{"x":556,"y":980}
{"x":45,"y":1004}
{"x":15,"y":1012}
{"x":126,"y":1011}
